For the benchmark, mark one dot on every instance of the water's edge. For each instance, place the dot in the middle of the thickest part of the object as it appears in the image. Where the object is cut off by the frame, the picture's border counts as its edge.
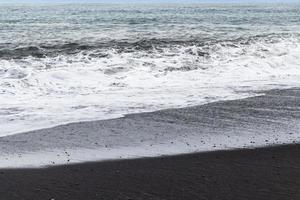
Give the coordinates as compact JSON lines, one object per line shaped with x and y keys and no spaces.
{"x":270,"y":119}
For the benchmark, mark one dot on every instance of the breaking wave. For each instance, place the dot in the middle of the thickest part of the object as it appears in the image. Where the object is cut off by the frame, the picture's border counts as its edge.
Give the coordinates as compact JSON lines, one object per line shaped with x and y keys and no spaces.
{"x":69,"y":63}
{"x":42,"y":86}
{"x":151,"y":45}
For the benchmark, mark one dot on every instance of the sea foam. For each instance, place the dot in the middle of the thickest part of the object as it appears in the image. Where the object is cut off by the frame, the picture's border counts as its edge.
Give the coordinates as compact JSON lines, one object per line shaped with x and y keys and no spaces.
{"x":102,"y":83}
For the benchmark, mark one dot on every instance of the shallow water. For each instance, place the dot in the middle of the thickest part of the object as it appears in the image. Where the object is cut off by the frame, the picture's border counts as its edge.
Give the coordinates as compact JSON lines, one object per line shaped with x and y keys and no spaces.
{"x":68,"y":63}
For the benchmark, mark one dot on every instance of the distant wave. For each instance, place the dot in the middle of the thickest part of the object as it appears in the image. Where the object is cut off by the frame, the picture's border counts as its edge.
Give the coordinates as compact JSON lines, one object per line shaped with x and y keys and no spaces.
{"x":150,"y":45}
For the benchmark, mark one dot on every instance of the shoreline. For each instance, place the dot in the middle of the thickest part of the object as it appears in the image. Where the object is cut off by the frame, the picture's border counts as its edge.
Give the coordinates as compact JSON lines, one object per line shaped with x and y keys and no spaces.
{"x":266,"y":120}
{"x":258,"y":173}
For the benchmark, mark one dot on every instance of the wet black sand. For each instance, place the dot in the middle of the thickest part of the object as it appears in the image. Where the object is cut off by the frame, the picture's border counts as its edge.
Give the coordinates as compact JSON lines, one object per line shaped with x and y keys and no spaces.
{"x":265,"y":173}
{"x":272,"y":118}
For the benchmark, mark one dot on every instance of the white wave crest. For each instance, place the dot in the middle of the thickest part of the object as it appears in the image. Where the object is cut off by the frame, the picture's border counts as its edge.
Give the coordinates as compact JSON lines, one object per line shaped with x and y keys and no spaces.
{"x":44,"y":92}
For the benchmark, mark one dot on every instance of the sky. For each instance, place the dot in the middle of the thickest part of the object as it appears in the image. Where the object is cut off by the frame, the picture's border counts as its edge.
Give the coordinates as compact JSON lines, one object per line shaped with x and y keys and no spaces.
{"x":149,"y":1}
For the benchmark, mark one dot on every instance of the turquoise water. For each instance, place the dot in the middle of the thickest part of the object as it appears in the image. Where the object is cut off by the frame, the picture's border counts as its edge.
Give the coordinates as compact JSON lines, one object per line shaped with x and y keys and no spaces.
{"x":89,"y":24}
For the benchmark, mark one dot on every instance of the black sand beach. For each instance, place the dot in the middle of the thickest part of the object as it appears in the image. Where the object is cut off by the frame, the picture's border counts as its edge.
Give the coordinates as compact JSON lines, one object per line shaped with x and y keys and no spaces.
{"x":265,"y":173}
{"x":160,"y":100}
{"x":272,"y":118}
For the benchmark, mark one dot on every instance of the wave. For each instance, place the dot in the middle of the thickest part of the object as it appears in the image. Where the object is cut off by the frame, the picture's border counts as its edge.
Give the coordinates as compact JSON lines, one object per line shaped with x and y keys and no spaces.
{"x":150,"y":45}
{"x":121,"y":77}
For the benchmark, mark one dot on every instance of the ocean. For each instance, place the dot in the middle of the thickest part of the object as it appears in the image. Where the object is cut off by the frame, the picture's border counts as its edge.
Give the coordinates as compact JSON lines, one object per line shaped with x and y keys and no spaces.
{"x":83,"y":62}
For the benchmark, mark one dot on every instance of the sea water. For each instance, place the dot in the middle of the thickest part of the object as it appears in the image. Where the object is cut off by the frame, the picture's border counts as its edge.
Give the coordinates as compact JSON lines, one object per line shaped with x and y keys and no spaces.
{"x":81,"y":62}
